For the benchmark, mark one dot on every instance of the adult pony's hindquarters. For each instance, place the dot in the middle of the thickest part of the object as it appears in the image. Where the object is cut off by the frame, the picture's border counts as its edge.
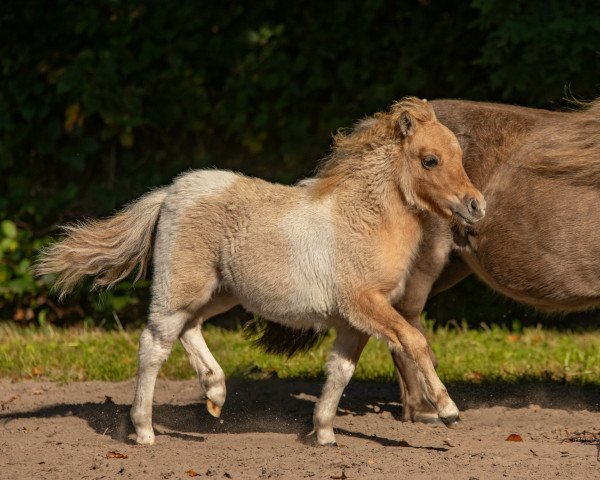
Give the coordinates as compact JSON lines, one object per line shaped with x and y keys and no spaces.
{"x":333,"y":253}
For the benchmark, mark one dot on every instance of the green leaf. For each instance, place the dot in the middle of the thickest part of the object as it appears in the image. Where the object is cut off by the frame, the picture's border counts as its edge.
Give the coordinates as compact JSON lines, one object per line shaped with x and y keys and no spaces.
{"x":9,"y":229}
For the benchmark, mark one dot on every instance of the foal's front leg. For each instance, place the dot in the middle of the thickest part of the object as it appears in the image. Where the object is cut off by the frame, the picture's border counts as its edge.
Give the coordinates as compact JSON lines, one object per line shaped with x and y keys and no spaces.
{"x":373,"y":313}
{"x":420,"y":287}
{"x":348,"y":346}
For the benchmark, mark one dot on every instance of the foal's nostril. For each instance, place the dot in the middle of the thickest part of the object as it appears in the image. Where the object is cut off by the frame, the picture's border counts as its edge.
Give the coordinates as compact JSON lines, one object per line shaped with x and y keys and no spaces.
{"x":473,"y":206}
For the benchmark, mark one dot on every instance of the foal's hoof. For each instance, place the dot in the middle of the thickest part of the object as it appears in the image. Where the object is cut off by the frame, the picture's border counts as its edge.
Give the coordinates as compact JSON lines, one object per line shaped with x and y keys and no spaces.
{"x":145,"y":439}
{"x":452,"y":421}
{"x":213,"y":408}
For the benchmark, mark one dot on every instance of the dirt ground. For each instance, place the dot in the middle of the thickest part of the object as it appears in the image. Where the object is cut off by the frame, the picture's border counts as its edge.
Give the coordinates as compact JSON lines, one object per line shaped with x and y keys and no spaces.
{"x":48,"y":430}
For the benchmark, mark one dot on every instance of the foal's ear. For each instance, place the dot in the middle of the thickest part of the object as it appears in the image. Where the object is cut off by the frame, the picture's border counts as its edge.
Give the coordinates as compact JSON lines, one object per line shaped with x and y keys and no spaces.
{"x":407,"y":124}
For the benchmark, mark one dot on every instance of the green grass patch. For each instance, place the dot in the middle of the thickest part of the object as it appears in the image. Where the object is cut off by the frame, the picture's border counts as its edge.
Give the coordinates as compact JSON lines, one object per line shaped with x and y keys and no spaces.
{"x":471,"y":355}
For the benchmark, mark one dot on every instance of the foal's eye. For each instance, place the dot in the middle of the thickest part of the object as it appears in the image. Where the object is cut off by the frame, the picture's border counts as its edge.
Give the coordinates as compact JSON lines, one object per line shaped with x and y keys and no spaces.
{"x":430,"y":161}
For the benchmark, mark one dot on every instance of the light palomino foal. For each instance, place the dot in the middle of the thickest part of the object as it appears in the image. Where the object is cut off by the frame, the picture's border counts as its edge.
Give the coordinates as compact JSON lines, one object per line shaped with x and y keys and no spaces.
{"x":335,"y":252}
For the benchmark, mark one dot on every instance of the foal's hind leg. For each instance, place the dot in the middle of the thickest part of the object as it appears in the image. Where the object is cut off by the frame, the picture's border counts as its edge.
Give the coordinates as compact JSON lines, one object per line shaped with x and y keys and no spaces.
{"x":346,"y":351}
{"x":174,"y":306}
{"x":156,"y":341}
{"x":210,"y":373}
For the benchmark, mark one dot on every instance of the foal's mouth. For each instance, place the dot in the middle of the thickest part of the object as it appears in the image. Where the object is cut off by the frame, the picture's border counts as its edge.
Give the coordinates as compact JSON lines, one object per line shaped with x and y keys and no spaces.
{"x":467,"y":220}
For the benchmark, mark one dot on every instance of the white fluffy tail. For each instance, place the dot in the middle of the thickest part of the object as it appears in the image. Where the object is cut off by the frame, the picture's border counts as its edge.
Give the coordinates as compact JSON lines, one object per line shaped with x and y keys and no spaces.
{"x":107,"y":249}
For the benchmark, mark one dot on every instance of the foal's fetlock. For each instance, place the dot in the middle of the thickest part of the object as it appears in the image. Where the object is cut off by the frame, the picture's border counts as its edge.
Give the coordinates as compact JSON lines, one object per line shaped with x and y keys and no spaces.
{"x":215,"y":399}
{"x":144,"y":433}
{"x":323,"y":428}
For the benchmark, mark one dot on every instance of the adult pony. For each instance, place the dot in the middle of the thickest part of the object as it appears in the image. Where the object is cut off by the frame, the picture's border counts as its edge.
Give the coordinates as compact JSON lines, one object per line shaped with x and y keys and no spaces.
{"x":539,"y":243}
{"x":333,"y":253}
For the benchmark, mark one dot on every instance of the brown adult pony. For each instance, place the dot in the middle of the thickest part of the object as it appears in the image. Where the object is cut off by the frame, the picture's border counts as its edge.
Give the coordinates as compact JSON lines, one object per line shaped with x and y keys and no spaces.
{"x":539,"y":243}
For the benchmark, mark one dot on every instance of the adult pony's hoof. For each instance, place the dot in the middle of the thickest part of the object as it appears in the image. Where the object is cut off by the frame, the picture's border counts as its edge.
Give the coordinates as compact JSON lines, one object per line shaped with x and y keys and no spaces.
{"x":452,"y":421}
{"x":429,"y":418}
{"x":213,"y":408}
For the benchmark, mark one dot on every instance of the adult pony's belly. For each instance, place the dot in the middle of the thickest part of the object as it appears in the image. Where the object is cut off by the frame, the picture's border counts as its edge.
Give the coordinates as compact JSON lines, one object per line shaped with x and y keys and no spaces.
{"x":540,"y":241}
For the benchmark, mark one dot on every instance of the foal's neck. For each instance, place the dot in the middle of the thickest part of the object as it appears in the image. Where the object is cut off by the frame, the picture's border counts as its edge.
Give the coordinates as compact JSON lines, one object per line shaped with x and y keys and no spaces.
{"x":368,"y":185}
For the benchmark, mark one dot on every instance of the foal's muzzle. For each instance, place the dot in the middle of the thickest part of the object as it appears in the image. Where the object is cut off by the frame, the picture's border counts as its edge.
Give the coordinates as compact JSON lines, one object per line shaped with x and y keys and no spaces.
{"x":470,"y":209}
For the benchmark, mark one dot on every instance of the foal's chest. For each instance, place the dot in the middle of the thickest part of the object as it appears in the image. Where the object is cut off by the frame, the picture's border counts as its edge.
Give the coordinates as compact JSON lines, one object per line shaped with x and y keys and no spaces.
{"x":399,"y":249}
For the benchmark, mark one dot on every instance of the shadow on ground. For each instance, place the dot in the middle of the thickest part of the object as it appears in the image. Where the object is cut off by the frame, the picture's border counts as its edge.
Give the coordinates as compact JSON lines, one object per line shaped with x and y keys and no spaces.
{"x":281,"y":406}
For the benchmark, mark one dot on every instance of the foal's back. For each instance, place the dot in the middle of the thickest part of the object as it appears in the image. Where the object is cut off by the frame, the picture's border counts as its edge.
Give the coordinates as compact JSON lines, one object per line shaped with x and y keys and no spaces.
{"x":540,"y":173}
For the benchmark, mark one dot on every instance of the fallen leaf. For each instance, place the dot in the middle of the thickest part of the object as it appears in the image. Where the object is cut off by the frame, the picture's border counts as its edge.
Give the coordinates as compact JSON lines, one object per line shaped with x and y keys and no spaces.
{"x":192,"y":473}
{"x":114,"y":454}
{"x":513,"y":437}
{"x":475,"y":377}
{"x":4,"y":403}
{"x":37,"y":371}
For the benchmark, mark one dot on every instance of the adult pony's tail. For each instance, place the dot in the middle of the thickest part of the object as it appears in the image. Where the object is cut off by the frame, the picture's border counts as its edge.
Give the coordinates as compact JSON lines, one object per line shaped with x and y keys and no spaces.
{"x":107,"y":249}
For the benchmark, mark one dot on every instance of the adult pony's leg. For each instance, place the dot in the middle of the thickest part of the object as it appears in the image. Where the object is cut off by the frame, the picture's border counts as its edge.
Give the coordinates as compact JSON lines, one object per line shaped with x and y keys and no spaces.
{"x":156,"y":341}
{"x":430,"y":261}
{"x":456,"y":271}
{"x":210,"y":373}
{"x":373,"y":313}
{"x":348,"y":346}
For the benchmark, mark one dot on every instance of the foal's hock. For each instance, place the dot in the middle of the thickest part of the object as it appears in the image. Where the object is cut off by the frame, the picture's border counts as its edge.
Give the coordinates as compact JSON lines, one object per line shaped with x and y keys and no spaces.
{"x":333,"y":252}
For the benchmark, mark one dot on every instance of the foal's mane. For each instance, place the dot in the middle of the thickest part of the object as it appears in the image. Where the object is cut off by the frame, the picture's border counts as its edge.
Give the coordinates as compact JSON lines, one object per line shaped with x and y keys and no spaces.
{"x":351,"y":148}
{"x":568,"y":149}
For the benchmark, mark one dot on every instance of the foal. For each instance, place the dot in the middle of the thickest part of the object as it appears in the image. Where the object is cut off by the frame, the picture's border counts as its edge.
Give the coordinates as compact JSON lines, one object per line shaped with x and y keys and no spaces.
{"x":335,"y":252}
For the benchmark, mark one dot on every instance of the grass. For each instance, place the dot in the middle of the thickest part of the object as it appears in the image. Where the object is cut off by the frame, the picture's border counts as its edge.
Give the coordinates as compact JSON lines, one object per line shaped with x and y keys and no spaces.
{"x":472,"y":355}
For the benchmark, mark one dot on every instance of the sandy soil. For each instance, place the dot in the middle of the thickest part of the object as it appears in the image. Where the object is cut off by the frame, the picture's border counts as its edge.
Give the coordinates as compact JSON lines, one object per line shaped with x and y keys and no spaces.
{"x":48,"y":430}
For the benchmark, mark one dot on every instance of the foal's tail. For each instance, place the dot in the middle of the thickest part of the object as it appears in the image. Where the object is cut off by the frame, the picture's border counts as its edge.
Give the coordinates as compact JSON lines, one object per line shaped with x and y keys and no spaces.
{"x":107,"y":249}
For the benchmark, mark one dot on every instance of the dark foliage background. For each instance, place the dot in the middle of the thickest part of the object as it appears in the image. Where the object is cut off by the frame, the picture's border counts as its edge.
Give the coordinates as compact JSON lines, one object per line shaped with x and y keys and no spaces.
{"x":101,"y":100}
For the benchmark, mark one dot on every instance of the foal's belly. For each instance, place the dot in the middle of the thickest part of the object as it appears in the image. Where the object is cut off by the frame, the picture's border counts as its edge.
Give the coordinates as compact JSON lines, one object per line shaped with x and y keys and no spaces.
{"x":283,"y":266}
{"x":540,"y":243}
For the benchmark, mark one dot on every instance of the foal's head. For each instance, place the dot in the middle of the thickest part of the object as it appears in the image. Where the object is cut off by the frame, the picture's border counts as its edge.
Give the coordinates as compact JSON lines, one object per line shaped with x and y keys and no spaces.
{"x":432,"y":176}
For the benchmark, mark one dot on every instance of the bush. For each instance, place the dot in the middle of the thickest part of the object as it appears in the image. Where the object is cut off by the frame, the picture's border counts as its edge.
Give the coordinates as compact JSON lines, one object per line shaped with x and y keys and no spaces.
{"x":101,"y":100}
